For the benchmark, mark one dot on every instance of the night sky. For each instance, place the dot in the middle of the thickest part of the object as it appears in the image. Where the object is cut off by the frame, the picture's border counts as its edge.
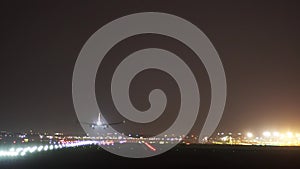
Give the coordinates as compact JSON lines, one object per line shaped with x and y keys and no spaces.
{"x":258,"y":43}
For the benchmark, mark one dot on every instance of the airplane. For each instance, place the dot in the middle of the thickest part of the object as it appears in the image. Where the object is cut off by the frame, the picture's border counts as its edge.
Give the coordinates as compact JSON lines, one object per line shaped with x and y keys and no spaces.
{"x":100,"y":124}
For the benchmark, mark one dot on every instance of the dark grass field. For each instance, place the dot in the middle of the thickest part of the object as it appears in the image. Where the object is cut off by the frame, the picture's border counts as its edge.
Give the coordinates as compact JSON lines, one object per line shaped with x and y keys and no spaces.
{"x":182,"y":156}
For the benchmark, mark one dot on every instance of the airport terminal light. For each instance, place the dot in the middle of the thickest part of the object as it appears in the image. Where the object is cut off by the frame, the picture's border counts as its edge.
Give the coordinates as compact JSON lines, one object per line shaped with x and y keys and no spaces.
{"x":266,"y":134}
{"x":249,"y":135}
{"x":289,"y":134}
{"x":276,"y":134}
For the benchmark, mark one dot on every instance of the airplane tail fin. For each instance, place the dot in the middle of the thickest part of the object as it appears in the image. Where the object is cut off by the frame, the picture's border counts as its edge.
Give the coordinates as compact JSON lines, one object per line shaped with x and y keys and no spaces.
{"x":99,"y":120}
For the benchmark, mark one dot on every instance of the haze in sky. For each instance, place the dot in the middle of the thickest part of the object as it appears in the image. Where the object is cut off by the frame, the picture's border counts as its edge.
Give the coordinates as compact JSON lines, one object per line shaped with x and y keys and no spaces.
{"x":258,"y":43}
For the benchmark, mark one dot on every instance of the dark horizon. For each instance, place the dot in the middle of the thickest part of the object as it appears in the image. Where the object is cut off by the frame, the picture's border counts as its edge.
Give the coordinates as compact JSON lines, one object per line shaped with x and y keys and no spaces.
{"x":258,"y":43}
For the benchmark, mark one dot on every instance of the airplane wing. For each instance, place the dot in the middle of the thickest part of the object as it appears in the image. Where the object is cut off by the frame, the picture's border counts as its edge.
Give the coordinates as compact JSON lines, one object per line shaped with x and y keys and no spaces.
{"x":100,"y":124}
{"x":122,"y":122}
{"x":103,"y":124}
{"x":87,"y":123}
